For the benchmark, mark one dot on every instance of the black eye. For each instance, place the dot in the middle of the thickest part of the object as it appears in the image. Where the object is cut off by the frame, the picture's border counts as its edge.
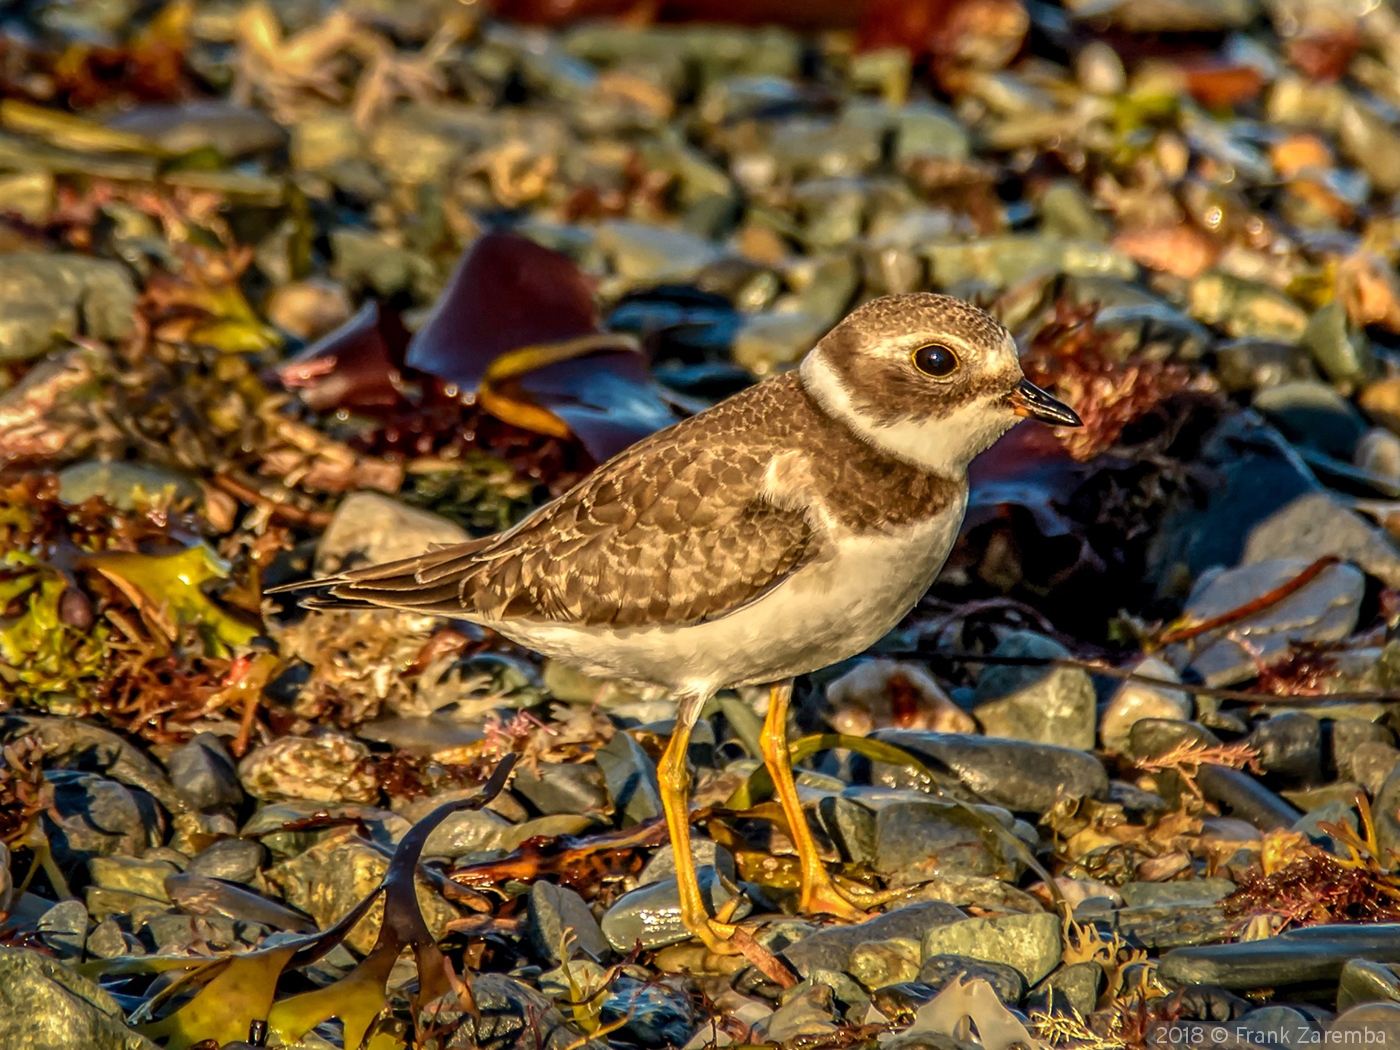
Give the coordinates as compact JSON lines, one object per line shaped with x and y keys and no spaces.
{"x":937,"y":361}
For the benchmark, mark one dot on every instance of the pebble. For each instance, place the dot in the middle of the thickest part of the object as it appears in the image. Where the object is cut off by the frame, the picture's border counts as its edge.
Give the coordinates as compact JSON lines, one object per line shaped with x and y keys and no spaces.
{"x":132,"y":875}
{"x":64,"y":929}
{"x":1133,"y":701}
{"x":938,"y":971}
{"x":1029,"y":943}
{"x":232,"y":859}
{"x":1050,"y":705}
{"x":882,"y":693}
{"x":200,"y":895}
{"x":916,"y":841}
{"x":92,"y":816}
{"x":1367,"y":982}
{"x":205,"y":772}
{"x":1324,"y":609}
{"x":1290,"y":747}
{"x":1078,"y":983}
{"x":1313,"y":415}
{"x":650,"y":1012}
{"x":1191,"y":891}
{"x":1313,"y":954}
{"x":511,"y":1016}
{"x":333,"y":876}
{"x":563,"y":787}
{"x":325,"y":768}
{"x":370,"y":527}
{"x":47,"y":297}
{"x":1371,"y":762}
{"x":1378,"y":1021}
{"x":1022,"y":776}
{"x":127,"y":486}
{"x":830,"y":948}
{"x":555,"y":909}
{"x":630,"y":774}
{"x":44,"y":1004}
{"x":704,"y":852}
{"x":807,"y":1013}
{"x":651,"y":915}
{"x":1243,"y":796}
{"x":1314,"y":525}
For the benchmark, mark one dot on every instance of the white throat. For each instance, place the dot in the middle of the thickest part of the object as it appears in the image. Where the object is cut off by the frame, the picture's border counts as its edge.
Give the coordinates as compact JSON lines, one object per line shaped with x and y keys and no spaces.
{"x":942,"y":445}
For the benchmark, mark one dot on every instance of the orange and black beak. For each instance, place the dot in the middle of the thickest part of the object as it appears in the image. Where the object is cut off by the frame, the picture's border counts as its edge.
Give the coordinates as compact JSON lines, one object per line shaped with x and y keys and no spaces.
{"x":1029,"y":401}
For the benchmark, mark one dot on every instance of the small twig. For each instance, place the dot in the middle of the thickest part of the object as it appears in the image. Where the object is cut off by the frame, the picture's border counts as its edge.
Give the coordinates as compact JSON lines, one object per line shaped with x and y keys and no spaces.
{"x":278,"y":509}
{"x":1249,"y":608}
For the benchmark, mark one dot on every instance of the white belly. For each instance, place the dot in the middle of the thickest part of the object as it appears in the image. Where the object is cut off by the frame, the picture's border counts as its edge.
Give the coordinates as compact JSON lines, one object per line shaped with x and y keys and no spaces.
{"x":827,"y":611}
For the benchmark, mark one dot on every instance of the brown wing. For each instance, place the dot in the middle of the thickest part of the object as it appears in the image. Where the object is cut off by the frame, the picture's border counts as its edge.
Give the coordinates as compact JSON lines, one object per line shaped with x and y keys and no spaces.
{"x":674,"y":530}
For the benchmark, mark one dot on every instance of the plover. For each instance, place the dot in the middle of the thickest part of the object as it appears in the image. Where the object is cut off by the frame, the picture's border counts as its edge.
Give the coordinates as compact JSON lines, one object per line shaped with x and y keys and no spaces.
{"x":786,"y":528}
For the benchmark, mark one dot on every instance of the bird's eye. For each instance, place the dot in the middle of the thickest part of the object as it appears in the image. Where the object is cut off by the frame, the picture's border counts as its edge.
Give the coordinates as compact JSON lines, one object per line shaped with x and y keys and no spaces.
{"x":937,"y":361}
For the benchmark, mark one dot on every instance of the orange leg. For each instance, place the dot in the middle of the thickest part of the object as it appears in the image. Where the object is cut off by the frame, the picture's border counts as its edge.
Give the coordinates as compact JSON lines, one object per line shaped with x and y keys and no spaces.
{"x":673,"y":777}
{"x":819,"y":892}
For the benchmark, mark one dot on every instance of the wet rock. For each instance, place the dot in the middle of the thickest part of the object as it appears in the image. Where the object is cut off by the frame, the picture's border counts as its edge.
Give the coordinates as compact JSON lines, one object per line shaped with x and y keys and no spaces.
{"x":925,"y":129}
{"x":1342,"y":356}
{"x":563,"y":787}
{"x":1314,"y":525}
{"x":203,"y":896}
{"x":651,"y":1013}
{"x":1029,"y":943}
{"x":467,"y":831}
{"x":1385,"y":809}
{"x":48,"y":297}
{"x":1278,"y":1025}
{"x":369,"y":527}
{"x":1367,"y":982}
{"x":1191,"y":891}
{"x":704,"y":852}
{"x":333,"y":876}
{"x":1051,"y":705}
{"x":1153,"y":737}
{"x":808,"y":1012}
{"x":1375,"y":1020}
{"x":851,"y":827}
{"x":1243,"y":796}
{"x":63,"y":929}
{"x":651,"y":915}
{"x":1324,"y":609}
{"x":127,"y":486}
{"x":132,"y":875}
{"x":830,"y":948}
{"x":1371,"y":763}
{"x":205,"y":772}
{"x":1079,"y":985}
{"x":556,"y":909}
{"x":1349,"y":734}
{"x":652,"y":254}
{"x":1290,"y":746}
{"x":43,"y":1004}
{"x":1256,"y":474}
{"x":1313,"y":954}
{"x":96,"y":817}
{"x":876,"y":964}
{"x":1245,"y":309}
{"x":937,"y":971}
{"x":1134,"y":701}
{"x":325,"y":768}
{"x":1021,"y":776}
{"x":1313,"y":415}
{"x":233,"y":860}
{"x":916,"y":841}
{"x":235,"y":131}
{"x":106,"y":941}
{"x":511,"y":1016}
{"x":877,"y":694}
{"x":1003,"y":261}
{"x":1244,"y":365}
{"x":308,"y":309}
{"x":631,"y":778}
{"x":769,"y":341}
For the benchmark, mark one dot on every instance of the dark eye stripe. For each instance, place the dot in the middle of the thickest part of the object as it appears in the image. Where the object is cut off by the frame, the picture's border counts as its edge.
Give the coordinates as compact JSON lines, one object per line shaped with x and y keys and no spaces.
{"x":935,"y":360}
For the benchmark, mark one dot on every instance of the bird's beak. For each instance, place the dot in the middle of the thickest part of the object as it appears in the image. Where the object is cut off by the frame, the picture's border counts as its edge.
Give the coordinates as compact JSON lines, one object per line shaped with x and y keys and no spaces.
{"x":1029,"y":401}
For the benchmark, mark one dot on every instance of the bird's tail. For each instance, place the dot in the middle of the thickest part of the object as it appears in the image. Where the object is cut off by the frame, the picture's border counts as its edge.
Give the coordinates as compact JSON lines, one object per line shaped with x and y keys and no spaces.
{"x":429,"y":583}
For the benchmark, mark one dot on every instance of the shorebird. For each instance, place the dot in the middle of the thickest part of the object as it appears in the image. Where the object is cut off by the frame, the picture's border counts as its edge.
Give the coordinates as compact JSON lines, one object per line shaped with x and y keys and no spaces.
{"x":783,"y":530}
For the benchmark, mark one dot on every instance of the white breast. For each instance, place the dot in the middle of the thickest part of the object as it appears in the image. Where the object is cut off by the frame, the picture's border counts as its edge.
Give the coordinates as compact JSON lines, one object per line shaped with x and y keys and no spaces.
{"x":828,"y":610}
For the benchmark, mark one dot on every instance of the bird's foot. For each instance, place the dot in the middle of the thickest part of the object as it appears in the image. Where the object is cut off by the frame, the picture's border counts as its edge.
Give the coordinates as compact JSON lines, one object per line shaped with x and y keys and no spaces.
{"x":847,"y":901}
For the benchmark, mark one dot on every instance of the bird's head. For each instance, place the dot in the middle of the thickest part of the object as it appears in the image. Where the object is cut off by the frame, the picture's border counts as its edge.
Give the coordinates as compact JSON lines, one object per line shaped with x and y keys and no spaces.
{"x":928,"y":378}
